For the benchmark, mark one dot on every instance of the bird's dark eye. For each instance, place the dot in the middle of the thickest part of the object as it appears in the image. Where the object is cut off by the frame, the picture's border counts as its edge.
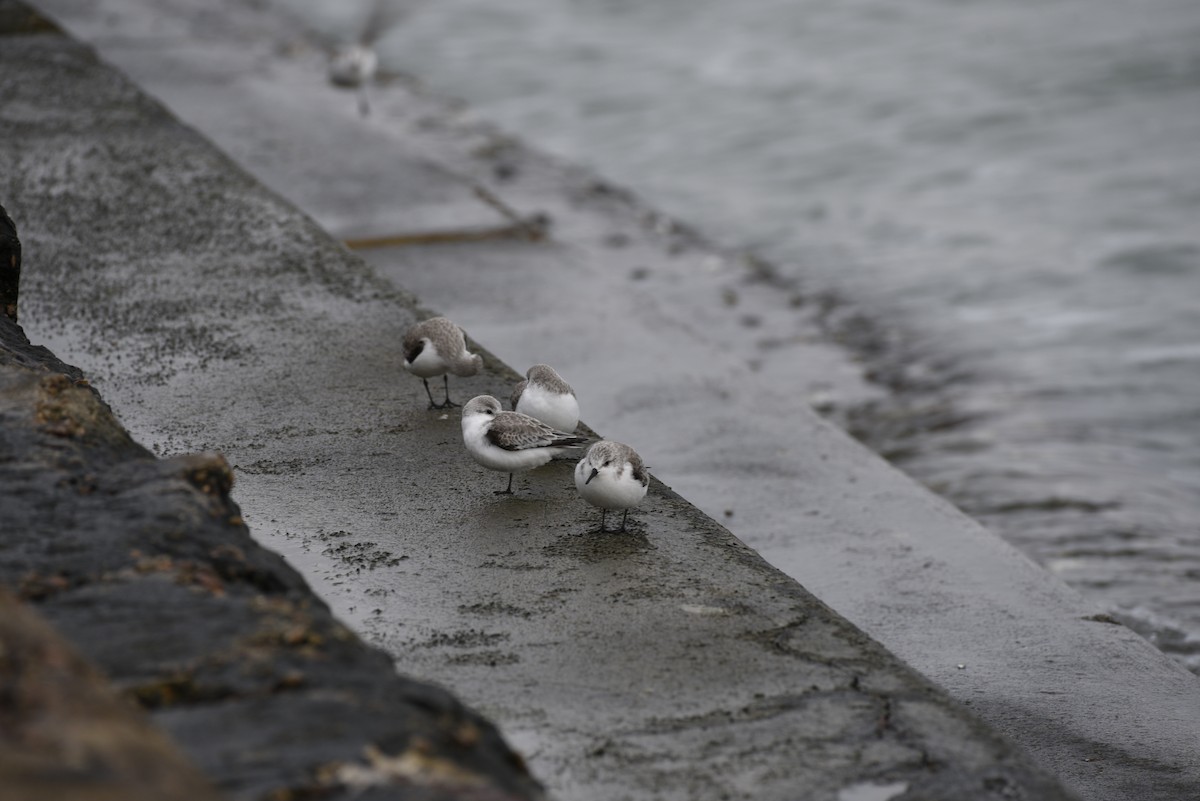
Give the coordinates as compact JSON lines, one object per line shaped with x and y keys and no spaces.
{"x":491,"y":411}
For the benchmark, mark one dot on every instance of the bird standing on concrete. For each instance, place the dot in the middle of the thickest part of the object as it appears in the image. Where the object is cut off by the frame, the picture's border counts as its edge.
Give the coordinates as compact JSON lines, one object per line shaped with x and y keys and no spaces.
{"x":510,"y":442}
{"x":437,"y":347}
{"x":611,"y":476}
{"x":545,"y":396}
{"x":353,"y":65}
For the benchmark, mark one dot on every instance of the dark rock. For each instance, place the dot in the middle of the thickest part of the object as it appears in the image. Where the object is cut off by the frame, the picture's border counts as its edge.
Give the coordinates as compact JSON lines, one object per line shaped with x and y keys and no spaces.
{"x":10,"y":266}
{"x":67,"y":736}
{"x":19,"y":19}
{"x":146,"y":566}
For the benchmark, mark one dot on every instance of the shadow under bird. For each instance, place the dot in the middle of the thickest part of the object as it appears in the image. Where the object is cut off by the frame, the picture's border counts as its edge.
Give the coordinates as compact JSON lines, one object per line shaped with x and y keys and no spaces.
{"x":437,"y":347}
{"x":545,"y":396}
{"x":510,"y":442}
{"x":611,"y":476}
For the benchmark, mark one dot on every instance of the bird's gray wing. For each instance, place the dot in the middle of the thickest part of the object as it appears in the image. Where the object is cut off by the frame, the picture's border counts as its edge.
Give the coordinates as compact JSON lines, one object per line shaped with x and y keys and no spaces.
{"x":518,"y":432}
{"x":639,"y":469}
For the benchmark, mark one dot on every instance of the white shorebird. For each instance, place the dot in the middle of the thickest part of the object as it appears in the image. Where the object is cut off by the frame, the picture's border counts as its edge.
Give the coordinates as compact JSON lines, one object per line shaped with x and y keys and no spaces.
{"x":510,"y":442}
{"x":436,"y":347}
{"x":611,"y":475}
{"x":353,"y":66}
{"x":545,"y":396}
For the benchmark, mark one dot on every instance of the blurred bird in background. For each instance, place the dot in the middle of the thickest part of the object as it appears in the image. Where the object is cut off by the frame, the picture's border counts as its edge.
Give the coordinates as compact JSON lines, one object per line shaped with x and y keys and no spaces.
{"x":354,"y":65}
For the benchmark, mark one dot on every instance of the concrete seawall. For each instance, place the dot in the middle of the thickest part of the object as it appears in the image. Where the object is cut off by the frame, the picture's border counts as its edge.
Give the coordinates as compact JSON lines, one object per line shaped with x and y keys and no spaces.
{"x":672,"y":663}
{"x":617,"y":655}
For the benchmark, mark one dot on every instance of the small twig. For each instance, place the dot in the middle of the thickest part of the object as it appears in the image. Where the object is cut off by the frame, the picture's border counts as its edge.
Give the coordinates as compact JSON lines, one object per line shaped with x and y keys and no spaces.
{"x":488,"y":197}
{"x":518,"y":231}
{"x":536,"y":225}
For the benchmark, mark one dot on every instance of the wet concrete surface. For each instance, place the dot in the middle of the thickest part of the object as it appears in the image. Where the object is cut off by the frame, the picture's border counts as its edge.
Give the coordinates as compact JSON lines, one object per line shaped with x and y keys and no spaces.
{"x":608,"y":661}
{"x":707,"y":367}
{"x":671,"y":662}
{"x":145,"y":565}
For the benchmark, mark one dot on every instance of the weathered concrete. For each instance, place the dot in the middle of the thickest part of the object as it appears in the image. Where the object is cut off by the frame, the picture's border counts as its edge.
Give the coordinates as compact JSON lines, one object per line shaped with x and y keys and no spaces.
{"x":147,"y":567}
{"x":1094,"y":703}
{"x":669,"y":663}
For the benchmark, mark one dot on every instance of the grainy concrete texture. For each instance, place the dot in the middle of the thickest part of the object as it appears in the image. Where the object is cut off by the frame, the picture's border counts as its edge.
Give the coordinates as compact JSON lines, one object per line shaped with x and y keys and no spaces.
{"x":715,"y":339}
{"x":677,"y":666}
{"x":669,"y":663}
{"x":672,"y":663}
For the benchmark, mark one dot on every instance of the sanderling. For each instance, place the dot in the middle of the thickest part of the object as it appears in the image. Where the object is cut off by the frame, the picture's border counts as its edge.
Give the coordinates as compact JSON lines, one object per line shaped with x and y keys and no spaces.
{"x":611,"y":475}
{"x":510,"y":442}
{"x":437,"y":347}
{"x":545,"y":396}
{"x":353,"y":66}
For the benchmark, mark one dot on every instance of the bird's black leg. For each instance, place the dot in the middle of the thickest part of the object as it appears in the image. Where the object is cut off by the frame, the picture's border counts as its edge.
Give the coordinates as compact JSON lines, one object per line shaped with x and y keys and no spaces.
{"x":625,"y":515}
{"x":432,"y":405}
{"x":506,"y":491}
{"x":603,"y":515}
{"x":446,"y":383}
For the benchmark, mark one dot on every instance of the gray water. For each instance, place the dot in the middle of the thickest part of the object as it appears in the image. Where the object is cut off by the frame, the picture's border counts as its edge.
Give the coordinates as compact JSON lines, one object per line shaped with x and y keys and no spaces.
{"x":1012,"y":189}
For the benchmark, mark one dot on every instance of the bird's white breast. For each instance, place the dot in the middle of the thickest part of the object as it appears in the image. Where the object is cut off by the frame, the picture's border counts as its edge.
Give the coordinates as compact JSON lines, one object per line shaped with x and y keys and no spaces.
{"x":557,"y":410}
{"x":608,"y":490}
{"x":428,"y":363}
{"x":353,"y":65}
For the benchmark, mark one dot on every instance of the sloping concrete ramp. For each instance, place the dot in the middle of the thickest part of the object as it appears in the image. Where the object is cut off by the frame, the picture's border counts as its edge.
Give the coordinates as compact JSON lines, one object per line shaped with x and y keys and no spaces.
{"x":669,"y":663}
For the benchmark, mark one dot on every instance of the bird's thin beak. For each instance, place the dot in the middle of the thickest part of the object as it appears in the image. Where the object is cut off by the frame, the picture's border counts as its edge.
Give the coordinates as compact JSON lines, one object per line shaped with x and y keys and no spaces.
{"x":595,"y":470}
